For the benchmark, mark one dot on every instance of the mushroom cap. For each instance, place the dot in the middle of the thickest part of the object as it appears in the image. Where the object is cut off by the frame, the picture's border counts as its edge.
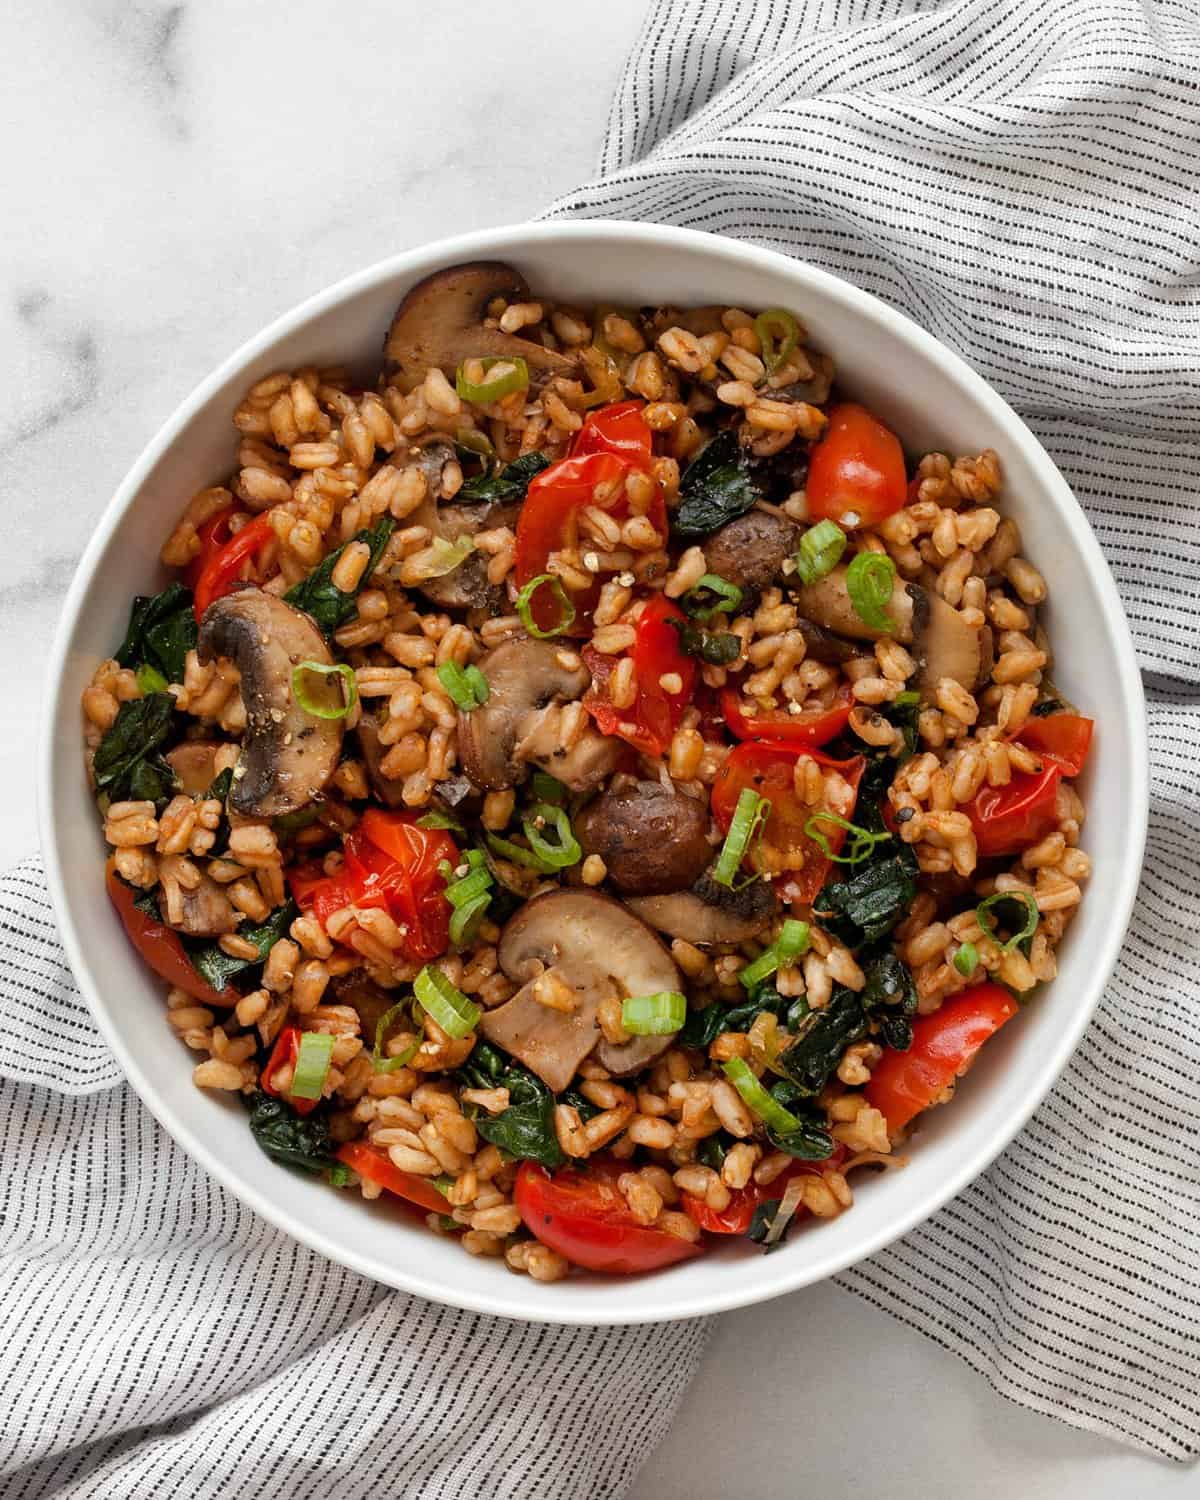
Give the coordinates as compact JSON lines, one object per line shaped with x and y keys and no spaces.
{"x":287,"y":755}
{"x":710,"y":913}
{"x":551,"y":1043}
{"x":204,"y":910}
{"x":583,"y":934}
{"x":440,"y":323}
{"x":650,"y":840}
{"x":750,"y":550}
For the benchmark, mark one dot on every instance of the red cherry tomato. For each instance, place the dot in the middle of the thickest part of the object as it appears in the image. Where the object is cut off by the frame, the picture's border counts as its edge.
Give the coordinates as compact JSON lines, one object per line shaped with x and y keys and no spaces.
{"x":284,"y":1053}
{"x":737,"y":1217}
{"x":617,"y":429}
{"x":213,"y":535}
{"x":1008,"y":819}
{"x":944,"y":1046}
{"x":1062,"y":739}
{"x":655,"y":714}
{"x":161,"y":948}
{"x":785,"y":849}
{"x":816,"y":727}
{"x":581,"y":1213}
{"x":224,"y":569}
{"x":371,"y":1163}
{"x":856,"y":470}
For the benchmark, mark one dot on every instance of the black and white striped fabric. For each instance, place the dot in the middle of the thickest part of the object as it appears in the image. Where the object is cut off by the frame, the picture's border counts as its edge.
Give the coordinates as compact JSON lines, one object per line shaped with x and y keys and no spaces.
{"x":1022,"y":180}
{"x":160,"y":1339}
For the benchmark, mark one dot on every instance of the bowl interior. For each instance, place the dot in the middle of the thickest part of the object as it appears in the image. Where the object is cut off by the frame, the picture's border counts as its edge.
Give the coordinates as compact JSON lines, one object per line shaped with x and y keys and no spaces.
{"x":933,"y":401}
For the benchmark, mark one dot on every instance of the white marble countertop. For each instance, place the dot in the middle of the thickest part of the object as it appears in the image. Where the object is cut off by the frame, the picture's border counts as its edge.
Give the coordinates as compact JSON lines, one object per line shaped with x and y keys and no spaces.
{"x":174,"y":176}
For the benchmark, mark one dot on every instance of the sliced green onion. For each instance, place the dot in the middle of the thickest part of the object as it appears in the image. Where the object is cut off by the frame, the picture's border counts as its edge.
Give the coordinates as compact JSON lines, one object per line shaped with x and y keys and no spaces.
{"x":820,"y":551}
{"x":862,"y":840}
{"x":654,"y":1015}
{"x":514,"y":377}
{"x":465,"y":919}
{"x":547,"y":788}
{"x":983,"y":915}
{"x":566,"y":610}
{"x":448,"y":1006}
{"x":340,"y":1175}
{"x":318,"y":669}
{"x":906,"y":699}
{"x":150,"y":680}
{"x":436,"y":818}
{"x":382,"y":1063}
{"x":788,"y":946}
{"x":459,"y":892}
{"x":517,"y":855}
{"x":564,"y":850}
{"x":757,"y":1100}
{"x":966,"y":959}
{"x":778,"y":334}
{"x":869,"y":581}
{"x":751,"y":812}
{"x":711,"y":595}
{"x":312,"y":1065}
{"x":785,"y":1213}
{"x":444,"y":1182}
{"x":467,"y":686}
{"x":470,"y":896}
{"x":442,"y":556}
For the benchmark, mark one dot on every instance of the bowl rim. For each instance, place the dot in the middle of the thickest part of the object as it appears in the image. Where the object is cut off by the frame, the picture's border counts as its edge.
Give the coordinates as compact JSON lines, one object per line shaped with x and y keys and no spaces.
{"x":734,"y":1291}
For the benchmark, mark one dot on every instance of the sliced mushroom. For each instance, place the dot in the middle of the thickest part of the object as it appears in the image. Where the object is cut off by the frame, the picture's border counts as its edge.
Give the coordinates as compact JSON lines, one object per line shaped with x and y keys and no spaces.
{"x":551,"y":1042}
{"x":710,"y":913}
{"x":202,"y":910}
{"x":750,"y":551}
{"x":591,"y":941}
{"x":389,"y":792}
{"x":942,"y":642}
{"x":287,"y":754}
{"x":823,"y":646}
{"x":370,"y":1000}
{"x":521,"y":721}
{"x":651,"y":840}
{"x":441,"y":322}
{"x":194,"y":763}
{"x":465,"y":586}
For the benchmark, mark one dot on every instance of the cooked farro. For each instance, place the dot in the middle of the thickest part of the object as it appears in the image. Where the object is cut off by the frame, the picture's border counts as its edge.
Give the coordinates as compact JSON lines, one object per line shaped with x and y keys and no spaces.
{"x":589,"y":776}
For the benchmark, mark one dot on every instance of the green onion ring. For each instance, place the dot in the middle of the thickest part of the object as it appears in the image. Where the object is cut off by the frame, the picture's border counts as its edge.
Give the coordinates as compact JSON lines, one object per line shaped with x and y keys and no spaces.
{"x":792,"y":941}
{"x":778,"y":334}
{"x":560,"y":854}
{"x":445,"y":1003}
{"x":319,"y":669}
{"x":465,"y":919}
{"x":384,"y":1064}
{"x":467,"y":686}
{"x":983,"y":915}
{"x":150,"y":680}
{"x":485,"y":391}
{"x":819,"y":551}
{"x":862,"y":840}
{"x":749,"y":816}
{"x":660,"y":1014}
{"x":312,"y":1065}
{"x":966,"y":959}
{"x":869,"y":582}
{"x":757,"y":1100}
{"x":525,"y":606}
{"x":728,"y":597}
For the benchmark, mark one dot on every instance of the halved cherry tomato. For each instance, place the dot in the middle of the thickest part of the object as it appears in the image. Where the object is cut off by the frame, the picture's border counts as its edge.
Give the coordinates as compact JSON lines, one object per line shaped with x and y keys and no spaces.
{"x":1062,"y":739}
{"x":285,"y":1052}
{"x":1008,"y":819}
{"x":856,"y":471}
{"x":160,"y":947}
{"x":213,"y":535}
{"x":581,"y":1213}
{"x":649,"y":724}
{"x":371,"y":1163}
{"x":223,"y":570}
{"x":738,"y":1215}
{"x":618,"y":429}
{"x":817,"y":727}
{"x":785,"y":849}
{"x":944,"y":1046}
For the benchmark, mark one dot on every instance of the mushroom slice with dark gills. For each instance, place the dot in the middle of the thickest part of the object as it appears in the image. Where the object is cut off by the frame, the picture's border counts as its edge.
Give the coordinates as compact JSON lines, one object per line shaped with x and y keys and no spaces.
{"x":199,"y":909}
{"x":522,"y":722}
{"x":595,"y":948}
{"x":710,"y":913}
{"x":750,"y":551}
{"x":942,"y":642}
{"x":443,"y":320}
{"x":287,"y":754}
{"x":650,"y":840}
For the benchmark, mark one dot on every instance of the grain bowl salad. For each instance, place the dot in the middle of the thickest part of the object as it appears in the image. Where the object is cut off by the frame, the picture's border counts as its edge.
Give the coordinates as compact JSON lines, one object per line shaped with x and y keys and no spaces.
{"x":592,"y":789}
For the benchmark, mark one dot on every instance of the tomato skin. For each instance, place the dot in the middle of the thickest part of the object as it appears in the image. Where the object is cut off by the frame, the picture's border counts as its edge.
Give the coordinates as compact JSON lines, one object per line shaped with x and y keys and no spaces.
{"x":767,"y":768}
{"x":738,"y":1216}
{"x":222,"y":572}
{"x":213,"y":535}
{"x":943,"y":1047}
{"x":372,"y":1164}
{"x":856,"y":468}
{"x":285,"y":1050}
{"x":789,"y":729}
{"x":1062,"y":739}
{"x":618,"y":429}
{"x":583,"y":1216}
{"x":654,"y":716}
{"x":1008,"y":819}
{"x":160,"y":947}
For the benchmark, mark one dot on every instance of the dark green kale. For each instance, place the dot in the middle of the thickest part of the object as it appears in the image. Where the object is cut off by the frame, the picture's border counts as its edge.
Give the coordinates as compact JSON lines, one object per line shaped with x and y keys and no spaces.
{"x":717,"y":647}
{"x":716,"y":487}
{"x":811,"y":1141}
{"x":712,"y":1150}
{"x":128,"y":765}
{"x":509,"y":484}
{"x":525,"y":1130}
{"x":873,"y":897}
{"x":222,"y":785}
{"x":218,"y":967}
{"x":1045,"y":708}
{"x":760,"y":1224}
{"x":822,"y":1037}
{"x":703,"y":1027}
{"x":330,"y":606}
{"x":301,"y":1141}
{"x":162,"y":630}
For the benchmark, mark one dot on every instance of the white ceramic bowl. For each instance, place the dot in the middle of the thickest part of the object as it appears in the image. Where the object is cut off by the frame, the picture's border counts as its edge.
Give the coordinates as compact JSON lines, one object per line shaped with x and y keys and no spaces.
{"x":934,"y":401}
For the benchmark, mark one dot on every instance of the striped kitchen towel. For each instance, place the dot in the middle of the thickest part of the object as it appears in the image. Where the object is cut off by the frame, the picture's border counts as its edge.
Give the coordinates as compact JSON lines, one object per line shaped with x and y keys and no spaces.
{"x":1022,"y":180}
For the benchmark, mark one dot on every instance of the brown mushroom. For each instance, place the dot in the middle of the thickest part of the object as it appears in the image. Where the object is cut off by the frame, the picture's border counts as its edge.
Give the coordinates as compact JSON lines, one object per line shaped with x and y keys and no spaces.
{"x":200,"y":909}
{"x":370,"y":1000}
{"x":389,"y":792}
{"x":598,"y":948}
{"x":441,"y":322}
{"x":710,"y":913}
{"x":287,"y":754}
{"x":750,"y":551}
{"x":521,"y":722}
{"x":194,"y":764}
{"x":650,"y":840}
{"x":942,"y":642}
